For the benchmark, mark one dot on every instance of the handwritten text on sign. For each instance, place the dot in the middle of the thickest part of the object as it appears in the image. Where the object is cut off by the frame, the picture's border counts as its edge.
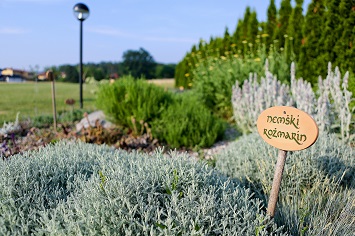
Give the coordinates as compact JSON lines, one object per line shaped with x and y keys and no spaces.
{"x":287,"y":128}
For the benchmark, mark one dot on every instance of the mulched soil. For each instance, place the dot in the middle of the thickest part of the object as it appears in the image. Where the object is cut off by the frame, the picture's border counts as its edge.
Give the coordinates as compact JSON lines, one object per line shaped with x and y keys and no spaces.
{"x":32,"y":138}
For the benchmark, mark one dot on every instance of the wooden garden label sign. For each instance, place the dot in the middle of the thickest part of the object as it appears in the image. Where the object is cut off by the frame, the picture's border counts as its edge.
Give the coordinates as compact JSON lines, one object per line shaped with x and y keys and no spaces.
{"x":288,"y":129}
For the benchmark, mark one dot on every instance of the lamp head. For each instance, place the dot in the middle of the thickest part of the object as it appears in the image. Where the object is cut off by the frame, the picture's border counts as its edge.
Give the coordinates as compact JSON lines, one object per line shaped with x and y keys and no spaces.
{"x":81,"y":11}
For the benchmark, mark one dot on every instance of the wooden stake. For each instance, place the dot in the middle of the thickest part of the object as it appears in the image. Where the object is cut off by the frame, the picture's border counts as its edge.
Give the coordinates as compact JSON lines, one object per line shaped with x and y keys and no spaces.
{"x":50,"y":76}
{"x":276,"y":183}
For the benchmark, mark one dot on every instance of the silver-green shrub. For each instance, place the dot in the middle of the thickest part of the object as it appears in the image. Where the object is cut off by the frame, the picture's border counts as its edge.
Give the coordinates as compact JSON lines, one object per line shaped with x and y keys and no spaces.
{"x":314,"y":180}
{"x":336,"y":90}
{"x":306,"y":100}
{"x":249,"y":100}
{"x":329,"y":105}
{"x":11,"y":127}
{"x":302,"y":93}
{"x":83,"y":189}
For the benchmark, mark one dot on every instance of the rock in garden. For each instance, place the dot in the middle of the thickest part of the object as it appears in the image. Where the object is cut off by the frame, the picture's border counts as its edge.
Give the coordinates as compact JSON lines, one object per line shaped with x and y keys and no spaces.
{"x":90,"y":120}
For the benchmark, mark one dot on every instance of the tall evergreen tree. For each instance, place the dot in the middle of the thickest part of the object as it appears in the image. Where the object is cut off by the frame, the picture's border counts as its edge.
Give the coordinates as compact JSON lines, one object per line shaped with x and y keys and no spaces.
{"x":245,"y":30}
{"x":312,"y":31}
{"x":295,"y":27}
{"x":331,"y":32}
{"x":194,"y":49}
{"x":283,"y":19}
{"x":345,"y":46}
{"x":238,"y":35}
{"x":271,"y":23}
{"x":253,"y":26}
{"x":227,"y":40}
{"x":241,"y":33}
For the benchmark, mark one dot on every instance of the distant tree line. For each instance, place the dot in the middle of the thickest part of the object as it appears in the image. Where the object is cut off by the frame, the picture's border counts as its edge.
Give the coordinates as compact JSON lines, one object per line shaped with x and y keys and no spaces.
{"x":326,"y":33}
{"x":138,"y":63}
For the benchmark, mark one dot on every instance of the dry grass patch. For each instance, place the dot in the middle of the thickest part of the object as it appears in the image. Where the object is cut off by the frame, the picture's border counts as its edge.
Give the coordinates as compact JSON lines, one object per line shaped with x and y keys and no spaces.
{"x":165,"y":83}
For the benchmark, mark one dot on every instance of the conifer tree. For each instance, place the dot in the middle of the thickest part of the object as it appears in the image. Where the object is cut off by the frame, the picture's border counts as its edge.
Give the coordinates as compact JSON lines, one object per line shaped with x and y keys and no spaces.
{"x":218,"y":49}
{"x":211,"y":46}
{"x":312,"y":31}
{"x":253,"y":26}
{"x":344,"y":48}
{"x":295,"y":27}
{"x":331,"y":33}
{"x":238,"y":35}
{"x":245,"y":30}
{"x":283,"y":19}
{"x":226,"y":40}
{"x":242,"y":30}
{"x":271,"y":23}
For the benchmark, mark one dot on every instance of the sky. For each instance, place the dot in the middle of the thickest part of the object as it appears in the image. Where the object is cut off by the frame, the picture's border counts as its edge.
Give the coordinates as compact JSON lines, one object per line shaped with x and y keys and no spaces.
{"x":35,"y":34}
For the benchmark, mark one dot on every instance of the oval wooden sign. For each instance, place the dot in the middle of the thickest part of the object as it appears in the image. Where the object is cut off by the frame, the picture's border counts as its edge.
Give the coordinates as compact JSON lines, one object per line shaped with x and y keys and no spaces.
{"x":287,"y":128}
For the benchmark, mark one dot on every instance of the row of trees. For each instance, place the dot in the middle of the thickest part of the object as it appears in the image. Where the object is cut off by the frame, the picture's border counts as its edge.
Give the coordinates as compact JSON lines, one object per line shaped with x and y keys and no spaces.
{"x":137,"y":63}
{"x":325,"y":33}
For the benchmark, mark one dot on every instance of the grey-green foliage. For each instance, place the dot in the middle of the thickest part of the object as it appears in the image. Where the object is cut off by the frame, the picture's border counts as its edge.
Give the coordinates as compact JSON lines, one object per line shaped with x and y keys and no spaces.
{"x":10,"y":127}
{"x":336,"y":90}
{"x":249,"y":100}
{"x":329,"y":106}
{"x":83,"y":189}
{"x":314,"y":180}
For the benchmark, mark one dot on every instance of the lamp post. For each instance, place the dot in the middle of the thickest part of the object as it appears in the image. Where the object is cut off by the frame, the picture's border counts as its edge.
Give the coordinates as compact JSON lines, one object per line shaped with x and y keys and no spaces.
{"x":81,"y":12}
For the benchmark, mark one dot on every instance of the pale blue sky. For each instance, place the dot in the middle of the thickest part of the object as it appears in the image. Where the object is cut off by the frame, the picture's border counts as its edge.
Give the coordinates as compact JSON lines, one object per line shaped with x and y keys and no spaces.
{"x":45,"y":32}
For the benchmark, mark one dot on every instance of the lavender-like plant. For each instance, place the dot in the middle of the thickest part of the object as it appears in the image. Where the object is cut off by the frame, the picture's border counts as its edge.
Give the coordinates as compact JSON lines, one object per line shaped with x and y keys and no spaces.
{"x":336,"y":90}
{"x":329,"y":106}
{"x":323,"y":114}
{"x":317,"y":189}
{"x":254,"y":97}
{"x":302,"y":93}
{"x":81,"y":189}
{"x":11,"y":127}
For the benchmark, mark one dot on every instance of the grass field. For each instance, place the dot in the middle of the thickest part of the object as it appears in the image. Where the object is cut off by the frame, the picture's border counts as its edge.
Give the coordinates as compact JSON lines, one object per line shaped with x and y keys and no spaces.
{"x":34,"y":99}
{"x":165,"y":83}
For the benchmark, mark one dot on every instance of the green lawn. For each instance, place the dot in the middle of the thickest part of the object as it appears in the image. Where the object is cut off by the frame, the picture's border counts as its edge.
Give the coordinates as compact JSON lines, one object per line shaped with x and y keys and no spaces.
{"x":35,"y":99}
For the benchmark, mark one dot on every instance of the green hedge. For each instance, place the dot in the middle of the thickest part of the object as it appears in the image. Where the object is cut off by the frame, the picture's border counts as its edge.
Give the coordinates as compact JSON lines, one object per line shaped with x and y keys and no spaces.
{"x":84,"y":189}
{"x":317,"y":190}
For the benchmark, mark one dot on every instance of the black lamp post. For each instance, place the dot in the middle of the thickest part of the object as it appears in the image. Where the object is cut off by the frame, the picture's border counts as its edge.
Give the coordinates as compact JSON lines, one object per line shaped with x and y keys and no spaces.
{"x":81,"y":11}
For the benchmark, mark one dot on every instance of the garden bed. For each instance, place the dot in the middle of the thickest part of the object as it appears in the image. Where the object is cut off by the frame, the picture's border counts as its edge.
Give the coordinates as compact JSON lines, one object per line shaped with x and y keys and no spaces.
{"x":32,"y":138}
